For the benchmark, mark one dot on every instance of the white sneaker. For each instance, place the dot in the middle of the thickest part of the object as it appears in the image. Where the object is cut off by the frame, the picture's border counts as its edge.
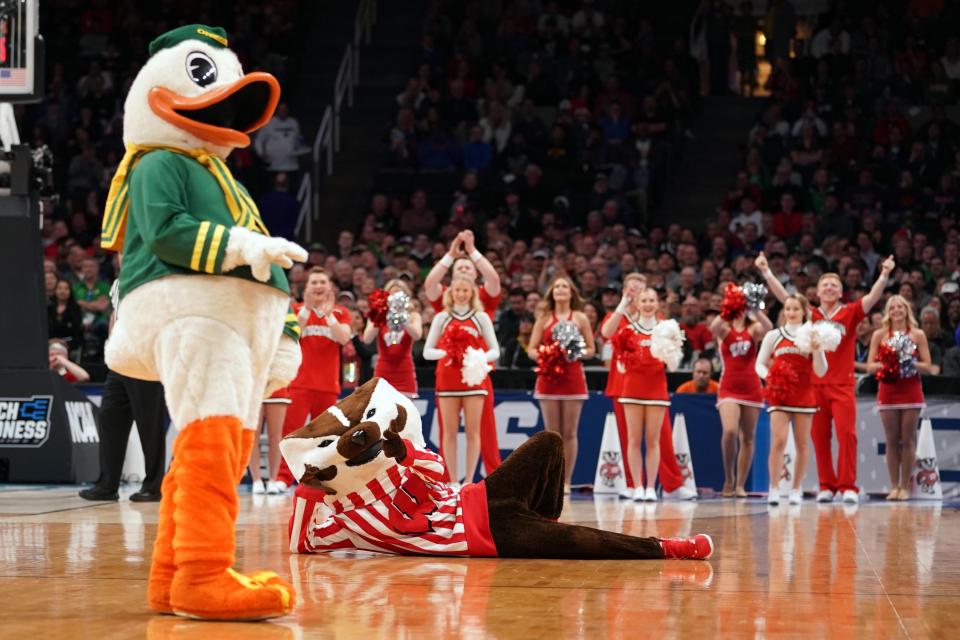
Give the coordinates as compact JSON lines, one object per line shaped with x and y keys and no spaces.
{"x":639,"y":494}
{"x":258,"y":488}
{"x":277,"y":487}
{"x":796,"y":496}
{"x":683,"y":492}
{"x":650,"y":495}
{"x":851,"y":497}
{"x":825,"y":495}
{"x":773,"y":496}
{"x":626,"y":494}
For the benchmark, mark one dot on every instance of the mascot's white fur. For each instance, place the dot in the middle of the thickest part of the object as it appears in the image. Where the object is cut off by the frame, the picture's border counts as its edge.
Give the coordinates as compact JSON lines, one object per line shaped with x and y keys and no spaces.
{"x":212,"y":329}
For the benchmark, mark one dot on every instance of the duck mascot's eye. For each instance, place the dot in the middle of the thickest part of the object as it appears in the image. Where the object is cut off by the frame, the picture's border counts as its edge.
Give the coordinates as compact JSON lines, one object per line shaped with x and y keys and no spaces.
{"x":201,"y":69}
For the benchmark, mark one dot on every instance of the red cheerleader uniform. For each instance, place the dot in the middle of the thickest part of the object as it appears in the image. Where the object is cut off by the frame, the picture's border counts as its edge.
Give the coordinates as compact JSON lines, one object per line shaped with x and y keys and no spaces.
{"x":739,"y":382}
{"x":572,"y":385}
{"x":799,"y":396}
{"x":905,"y":393}
{"x":449,"y":376}
{"x":669,"y":473}
{"x":645,"y":382}
{"x":395,"y":364}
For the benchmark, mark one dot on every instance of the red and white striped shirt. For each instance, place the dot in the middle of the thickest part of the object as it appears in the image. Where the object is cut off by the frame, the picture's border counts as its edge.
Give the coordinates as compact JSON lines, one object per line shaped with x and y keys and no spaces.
{"x":409,"y":510}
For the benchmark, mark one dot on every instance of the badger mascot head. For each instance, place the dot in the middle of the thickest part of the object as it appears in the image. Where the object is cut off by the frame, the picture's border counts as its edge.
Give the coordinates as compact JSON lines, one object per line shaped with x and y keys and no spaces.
{"x":342,"y":449}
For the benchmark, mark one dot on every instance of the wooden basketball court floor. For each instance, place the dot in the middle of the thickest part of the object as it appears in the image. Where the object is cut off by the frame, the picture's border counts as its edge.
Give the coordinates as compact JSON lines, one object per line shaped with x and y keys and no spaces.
{"x":75,"y":569}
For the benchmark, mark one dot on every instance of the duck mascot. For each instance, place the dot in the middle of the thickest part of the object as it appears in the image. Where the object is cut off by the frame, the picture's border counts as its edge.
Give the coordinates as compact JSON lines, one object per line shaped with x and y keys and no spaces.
{"x":204,"y":308}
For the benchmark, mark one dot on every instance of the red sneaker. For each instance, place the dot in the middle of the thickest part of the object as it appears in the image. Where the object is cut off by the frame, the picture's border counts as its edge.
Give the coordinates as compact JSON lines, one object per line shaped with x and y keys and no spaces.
{"x":699,"y":547}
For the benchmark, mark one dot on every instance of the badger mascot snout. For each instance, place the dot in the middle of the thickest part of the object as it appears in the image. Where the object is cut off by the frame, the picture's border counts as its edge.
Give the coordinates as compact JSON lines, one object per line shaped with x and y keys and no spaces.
{"x":368,"y":482}
{"x":204,"y":308}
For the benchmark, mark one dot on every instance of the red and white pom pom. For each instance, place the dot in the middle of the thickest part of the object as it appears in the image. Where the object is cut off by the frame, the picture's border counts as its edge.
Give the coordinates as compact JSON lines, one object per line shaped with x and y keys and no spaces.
{"x":626,"y":346}
{"x":475,"y":366}
{"x":828,"y":334}
{"x":889,"y":362}
{"x":378,"y":307}
{"x":666,"y":343}
{"x":551,"y":361}
{"x":780,"y":383}
{"x":454,"y":342}
{"x":734,"y":302}
{"x":823,"y":333}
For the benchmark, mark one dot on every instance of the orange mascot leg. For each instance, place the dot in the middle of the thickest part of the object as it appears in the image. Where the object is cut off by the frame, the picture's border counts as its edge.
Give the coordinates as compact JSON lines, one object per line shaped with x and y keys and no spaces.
{"x":208,"y":457}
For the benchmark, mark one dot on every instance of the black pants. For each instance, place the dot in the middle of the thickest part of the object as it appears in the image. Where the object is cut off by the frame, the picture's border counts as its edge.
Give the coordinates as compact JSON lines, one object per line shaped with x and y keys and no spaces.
{"x":125,"y":400}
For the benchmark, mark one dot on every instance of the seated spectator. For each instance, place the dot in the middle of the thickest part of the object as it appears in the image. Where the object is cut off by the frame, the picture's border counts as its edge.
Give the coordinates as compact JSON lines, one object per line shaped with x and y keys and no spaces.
{"x":418,"y":218}
{"x":938,"y":339}
{"x":701,"y":382}
{"x":514,"y":354}
{"x":439,"y":152}
{"x":508,"y":323}
{"x":65,"y":318}
{"x":699,"y":339}
{"x":60,"y":362}
{"x":279,"y":208}
{"x":93,"y":297}
{"x":787,"y":221}
{"x":477,"y":153}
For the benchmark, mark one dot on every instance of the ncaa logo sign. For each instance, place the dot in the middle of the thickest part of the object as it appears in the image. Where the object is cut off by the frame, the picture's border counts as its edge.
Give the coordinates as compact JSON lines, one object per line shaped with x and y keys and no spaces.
{"x":25,"y":422}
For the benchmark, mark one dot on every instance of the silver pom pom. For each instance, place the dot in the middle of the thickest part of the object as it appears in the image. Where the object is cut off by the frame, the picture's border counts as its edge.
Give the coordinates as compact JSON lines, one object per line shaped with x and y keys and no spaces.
{"x":755,"y":294}
{"x":397,"y":317}
{"x":906,"y":350}
{"x":567,"y":335}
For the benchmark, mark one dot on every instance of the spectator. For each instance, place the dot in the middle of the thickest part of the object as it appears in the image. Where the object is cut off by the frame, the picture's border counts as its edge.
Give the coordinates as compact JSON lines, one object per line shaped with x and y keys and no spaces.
{"x":279,"y":208}
{"x":418,"y":218}
{"x":508,"y":323}
{"x":699,"y":340}
{"x":938,"y":339}
{"x":60,"y":362}
{"x":279,"y":142}
{"x":93,"y":297}
{"x":65,"y":319}
{"x":478,"y":153}
{"x":701,"y":382}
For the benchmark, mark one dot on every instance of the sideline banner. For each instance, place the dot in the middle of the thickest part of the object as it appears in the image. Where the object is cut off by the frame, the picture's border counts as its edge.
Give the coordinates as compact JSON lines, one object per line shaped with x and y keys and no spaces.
{"x":518,"y":417}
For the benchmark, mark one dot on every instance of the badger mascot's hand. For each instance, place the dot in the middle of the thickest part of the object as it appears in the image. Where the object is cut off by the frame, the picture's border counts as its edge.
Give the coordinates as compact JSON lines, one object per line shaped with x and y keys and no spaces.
{"x":260,"y":252}
{"x":393,"y":445}
{"x":286,"y":363}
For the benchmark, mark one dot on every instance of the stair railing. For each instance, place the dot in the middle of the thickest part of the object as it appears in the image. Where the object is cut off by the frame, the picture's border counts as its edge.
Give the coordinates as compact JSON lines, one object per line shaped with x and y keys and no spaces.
{"x":327,"y":140}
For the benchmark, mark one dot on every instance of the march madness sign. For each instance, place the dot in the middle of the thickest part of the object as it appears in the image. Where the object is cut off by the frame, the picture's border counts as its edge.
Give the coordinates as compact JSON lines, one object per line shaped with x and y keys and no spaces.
{"x":25,"y":422}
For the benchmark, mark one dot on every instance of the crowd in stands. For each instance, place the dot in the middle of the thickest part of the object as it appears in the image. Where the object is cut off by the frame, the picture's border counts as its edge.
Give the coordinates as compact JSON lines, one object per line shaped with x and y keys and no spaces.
{"x":555,"y":127}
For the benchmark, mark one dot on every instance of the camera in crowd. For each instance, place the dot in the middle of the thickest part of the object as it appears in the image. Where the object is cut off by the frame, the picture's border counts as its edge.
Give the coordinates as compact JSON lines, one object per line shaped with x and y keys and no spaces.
{"x":25,"y":171}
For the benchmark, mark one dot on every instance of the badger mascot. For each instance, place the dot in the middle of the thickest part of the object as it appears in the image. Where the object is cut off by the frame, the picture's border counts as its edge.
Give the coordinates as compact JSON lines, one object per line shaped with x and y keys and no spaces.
{"x":203,"y":308}
{"x":368,"y":482}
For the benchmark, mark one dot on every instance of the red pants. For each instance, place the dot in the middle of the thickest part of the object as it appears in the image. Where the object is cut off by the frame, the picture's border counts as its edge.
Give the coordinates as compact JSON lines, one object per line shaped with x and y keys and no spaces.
{"x":489,"y":447}
{"x":304,"y":403}
{"x":670,"y":476}
{"x":836,"y":403}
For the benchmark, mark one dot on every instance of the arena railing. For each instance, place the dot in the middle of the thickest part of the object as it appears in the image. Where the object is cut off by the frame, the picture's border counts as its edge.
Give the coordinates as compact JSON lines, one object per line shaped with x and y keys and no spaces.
{"x":327,"y":140}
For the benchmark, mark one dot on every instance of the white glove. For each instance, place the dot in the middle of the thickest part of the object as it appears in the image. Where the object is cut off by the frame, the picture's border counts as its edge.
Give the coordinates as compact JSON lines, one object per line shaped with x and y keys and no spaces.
{"x":260,"y":252}
{"x":286,"y":363}
{"x":623,"y":306}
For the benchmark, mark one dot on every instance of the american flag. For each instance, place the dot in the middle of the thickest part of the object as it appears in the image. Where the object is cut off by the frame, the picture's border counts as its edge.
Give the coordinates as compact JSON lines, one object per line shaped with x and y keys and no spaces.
{"x":13,"y":77}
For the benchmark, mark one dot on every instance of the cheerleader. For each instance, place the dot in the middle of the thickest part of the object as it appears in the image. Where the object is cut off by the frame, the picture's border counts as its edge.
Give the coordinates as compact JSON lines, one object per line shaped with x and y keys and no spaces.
{"x":394,"y":359}
{"x":461,"y":308}
{"x":740,"y":396}
{"x":900,"y":401}
{"x":786,"y":370}
{"x":643,"y":387}
{"x":561,"y":398}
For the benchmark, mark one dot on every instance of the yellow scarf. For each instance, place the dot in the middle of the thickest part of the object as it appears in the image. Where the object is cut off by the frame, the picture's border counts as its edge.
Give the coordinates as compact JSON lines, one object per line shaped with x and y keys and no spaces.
{"x":241,"y":206}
